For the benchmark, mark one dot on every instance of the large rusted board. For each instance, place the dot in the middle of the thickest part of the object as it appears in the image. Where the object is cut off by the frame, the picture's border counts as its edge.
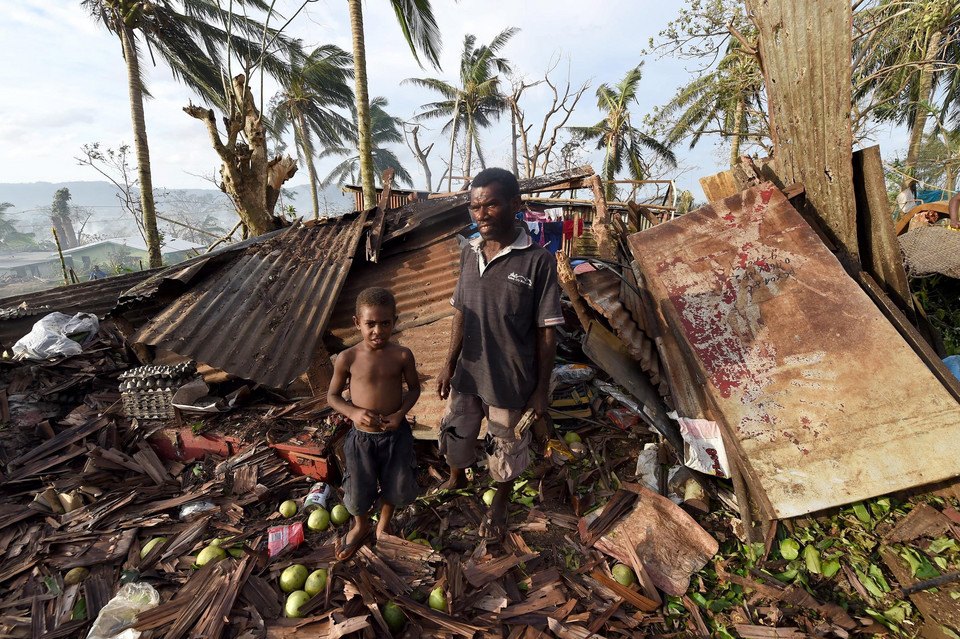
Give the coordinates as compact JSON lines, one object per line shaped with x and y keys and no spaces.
{"x":823,"y":400}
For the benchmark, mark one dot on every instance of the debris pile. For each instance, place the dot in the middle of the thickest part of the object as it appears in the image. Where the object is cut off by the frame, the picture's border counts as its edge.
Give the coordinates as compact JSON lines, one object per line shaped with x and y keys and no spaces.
{"x":710,"y":467}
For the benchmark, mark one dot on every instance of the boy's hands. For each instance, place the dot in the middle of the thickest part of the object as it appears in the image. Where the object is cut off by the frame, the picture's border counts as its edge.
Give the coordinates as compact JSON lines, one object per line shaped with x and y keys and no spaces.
{"x":367,"y":419}
{"x":391,"y":422}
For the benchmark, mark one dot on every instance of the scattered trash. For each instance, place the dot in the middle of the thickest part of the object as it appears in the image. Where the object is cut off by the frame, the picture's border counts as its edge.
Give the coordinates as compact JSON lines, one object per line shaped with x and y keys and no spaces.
{"x":57,"y":335}
{"x":279,"y":537}
{"x":703,"y":449}
{"x":131,"y":600}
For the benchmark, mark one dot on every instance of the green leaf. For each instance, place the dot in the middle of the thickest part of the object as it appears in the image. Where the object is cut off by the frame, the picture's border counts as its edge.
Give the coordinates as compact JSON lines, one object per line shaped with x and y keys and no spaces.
{"x":941,"y":563}
{"x":79,"y":610}
{"x":937,"y":546}
{"x":868,"y":583}
{"x":700,"y":600}
{"x":787,"y":575}
{"x":954,"y":594}
{"x":789,"y":549}
{"x":898,"y":612}
{"x":861,"y":512}
{"x":830,"y":567}
{"x":911,"y":558}
{"x":877,"y":576}
{"x":948,"y":632}
{"x":51,"y":585}
{"x":812,"y":557}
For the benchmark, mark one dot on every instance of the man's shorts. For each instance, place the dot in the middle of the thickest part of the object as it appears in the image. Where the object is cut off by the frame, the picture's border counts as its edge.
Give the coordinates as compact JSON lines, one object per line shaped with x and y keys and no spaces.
{"x":379,"y":465}
{"x":507,"y":456}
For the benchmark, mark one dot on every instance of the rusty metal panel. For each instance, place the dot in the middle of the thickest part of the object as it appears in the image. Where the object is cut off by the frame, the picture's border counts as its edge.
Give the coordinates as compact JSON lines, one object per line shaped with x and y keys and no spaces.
{"x":18,"y":313}
{"x":804,"y":48}
{"x":430,"y":344}
{"x":422,"y":281}
{"x":823,"y":400}
{"x":261,"y":315}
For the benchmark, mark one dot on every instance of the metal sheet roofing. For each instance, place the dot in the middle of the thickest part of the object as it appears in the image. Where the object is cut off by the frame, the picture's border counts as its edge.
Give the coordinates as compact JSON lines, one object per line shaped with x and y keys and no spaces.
{"x":422,"y":281}
{"x":261,"y":315}
{"x":18,"y":313}
{"x":817,"y":392}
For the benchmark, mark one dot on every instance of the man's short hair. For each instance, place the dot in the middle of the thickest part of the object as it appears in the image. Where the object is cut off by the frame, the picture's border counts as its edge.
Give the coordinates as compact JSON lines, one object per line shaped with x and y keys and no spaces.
{"x":508,"y":181}
{"x":376,"y":296}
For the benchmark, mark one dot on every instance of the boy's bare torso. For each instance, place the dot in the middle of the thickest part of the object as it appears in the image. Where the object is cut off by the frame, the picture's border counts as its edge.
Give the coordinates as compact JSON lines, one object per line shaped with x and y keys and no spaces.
{"x":376,"y":378}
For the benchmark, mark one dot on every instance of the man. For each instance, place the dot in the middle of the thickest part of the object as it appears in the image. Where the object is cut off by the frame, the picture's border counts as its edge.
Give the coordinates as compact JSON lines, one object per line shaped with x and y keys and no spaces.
{"x":907,"y":198}
{"x":97,"y":273}
{"x":502,"y":343}
{"x":953,"y":207}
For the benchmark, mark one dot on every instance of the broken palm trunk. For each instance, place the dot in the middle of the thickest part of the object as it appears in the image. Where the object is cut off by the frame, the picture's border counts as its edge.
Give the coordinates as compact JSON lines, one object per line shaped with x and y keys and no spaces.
{"x":806,"y":375}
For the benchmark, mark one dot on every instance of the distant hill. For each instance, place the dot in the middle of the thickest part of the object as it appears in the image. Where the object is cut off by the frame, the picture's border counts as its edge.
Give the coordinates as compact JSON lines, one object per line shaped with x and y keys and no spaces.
{"x":101,"y":196}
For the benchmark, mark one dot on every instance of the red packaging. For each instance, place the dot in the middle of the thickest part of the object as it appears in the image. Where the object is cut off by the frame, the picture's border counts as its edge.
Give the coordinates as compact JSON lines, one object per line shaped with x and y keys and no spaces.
{"x":279,"y":537}
{"x":625,"y":419}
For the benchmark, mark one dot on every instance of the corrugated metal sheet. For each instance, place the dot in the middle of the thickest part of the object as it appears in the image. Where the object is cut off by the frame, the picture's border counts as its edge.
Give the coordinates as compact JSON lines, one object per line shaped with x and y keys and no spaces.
{"x":602,"y":290}
{"x":430,"y":344}
{"x":18,"y":313}
{"x":422,"y":281}
{"x":261,"y":316}
{"x":818,"y":394}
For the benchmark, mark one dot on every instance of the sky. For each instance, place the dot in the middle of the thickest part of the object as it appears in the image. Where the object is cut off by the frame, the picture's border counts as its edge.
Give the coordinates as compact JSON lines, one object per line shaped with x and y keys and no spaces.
{"x":64,"y":83}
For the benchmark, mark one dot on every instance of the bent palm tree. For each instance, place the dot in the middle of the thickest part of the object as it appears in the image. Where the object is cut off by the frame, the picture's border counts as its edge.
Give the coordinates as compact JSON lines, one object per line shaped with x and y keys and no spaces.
{"x":623,"y":142}
{"x":727,"y":101}
{"x":476,"y":102}
{"x":316,"y":84}
{"x":420,"y":30}
{"x":190,"y":37}
{"x":384,"y":129}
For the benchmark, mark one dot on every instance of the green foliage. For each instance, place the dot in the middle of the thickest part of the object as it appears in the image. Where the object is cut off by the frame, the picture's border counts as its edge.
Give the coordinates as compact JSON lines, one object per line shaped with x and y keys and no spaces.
{"x":476,"y":101}
{"x":623,"y":143}
{"x":384,"y":129}
{"x":940,"y":298}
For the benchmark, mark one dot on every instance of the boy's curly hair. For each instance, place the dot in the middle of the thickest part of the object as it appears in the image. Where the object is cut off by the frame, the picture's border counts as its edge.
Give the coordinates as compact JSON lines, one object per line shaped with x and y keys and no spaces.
{"x":376,"y":296}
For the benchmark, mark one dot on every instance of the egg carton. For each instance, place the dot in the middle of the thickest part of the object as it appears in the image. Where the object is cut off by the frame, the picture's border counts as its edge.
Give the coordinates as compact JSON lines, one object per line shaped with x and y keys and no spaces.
{"x":147,"y":391}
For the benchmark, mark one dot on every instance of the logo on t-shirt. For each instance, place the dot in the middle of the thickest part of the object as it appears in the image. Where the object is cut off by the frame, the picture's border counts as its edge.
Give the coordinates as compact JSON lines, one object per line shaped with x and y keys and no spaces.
{"x":520,"y":279}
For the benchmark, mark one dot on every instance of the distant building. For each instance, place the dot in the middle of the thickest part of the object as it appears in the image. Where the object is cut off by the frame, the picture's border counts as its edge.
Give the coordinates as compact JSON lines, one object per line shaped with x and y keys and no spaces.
{"x":128,"y":253}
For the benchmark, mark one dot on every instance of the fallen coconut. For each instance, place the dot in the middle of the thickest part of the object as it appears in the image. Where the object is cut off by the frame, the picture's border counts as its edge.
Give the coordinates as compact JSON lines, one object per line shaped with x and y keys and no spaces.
{"x":293,"y":577}
{"x":316,"y":582}
{"x":75,"y":576}
{"x":150,"y":546}
{"x":288,"y":508}
{"x":319,"y":519}
{"x":294,"y":601}
{"x":339,"y":514}
{"x":210,"y":553}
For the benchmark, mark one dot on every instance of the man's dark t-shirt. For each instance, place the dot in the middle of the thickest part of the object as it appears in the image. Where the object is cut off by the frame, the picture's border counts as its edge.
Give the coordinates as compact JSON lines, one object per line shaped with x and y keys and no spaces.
{"x":503,"y":303}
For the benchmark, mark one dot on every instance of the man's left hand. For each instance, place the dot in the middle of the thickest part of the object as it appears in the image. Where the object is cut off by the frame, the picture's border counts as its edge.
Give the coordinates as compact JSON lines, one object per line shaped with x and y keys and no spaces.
{"x":538,"y":402}
{"x":391,"y":422}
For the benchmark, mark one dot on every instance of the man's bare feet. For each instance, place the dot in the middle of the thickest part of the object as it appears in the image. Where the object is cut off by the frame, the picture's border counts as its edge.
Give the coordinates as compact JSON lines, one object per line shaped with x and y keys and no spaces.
{"x":458,"y":479}
{"x":494,"y":528}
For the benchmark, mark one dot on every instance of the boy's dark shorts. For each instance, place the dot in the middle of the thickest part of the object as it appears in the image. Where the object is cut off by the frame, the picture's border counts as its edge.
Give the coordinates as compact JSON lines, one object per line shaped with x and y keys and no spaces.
{"x":379,"y":465}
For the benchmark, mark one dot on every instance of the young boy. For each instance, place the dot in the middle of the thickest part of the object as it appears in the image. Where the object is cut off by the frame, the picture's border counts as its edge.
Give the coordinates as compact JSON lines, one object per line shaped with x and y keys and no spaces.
{"x":380,"y":461}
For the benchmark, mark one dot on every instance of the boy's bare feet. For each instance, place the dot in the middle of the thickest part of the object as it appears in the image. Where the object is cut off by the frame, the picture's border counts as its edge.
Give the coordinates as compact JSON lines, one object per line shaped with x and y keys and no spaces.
{"x":355,"y":538}
{"x":383,"y":524}
{"x":458,"y":479}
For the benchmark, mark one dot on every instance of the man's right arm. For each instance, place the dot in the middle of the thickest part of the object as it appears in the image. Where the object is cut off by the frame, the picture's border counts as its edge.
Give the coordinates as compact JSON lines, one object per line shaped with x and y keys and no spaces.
{"x":456,"y":345}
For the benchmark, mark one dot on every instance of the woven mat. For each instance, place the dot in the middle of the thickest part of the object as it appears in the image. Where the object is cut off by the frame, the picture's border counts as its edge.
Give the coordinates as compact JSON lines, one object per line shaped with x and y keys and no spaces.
{"x":931,"y":249}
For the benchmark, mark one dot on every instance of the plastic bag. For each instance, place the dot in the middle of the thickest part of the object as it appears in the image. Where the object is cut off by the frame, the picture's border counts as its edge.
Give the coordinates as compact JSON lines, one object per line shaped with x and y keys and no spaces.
{"x":120,"y":611}
{"x":57,"y":335}
{"x":703,"y":447}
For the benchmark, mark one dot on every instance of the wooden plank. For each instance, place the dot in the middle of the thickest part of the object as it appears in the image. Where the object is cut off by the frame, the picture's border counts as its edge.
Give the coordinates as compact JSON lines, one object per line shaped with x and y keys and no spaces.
{"x":64,"y":439}
{"x":375,"y":236}
{"x":879,"y":249}
{"x":479,"y":574}
{"x":634,"y":598}
{"x":719,"y":186}
{"x":804,"y":48}
{"x":912,"y":336}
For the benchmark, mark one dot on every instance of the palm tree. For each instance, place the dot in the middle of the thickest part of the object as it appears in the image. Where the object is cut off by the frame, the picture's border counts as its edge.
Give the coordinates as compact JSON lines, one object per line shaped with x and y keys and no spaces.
{"x":384,"y":129}
{"x":316,"y":84}
{"x":190,"y":37}
{"x":615,"y":133}
{"x":476,"y":102}
{"x":727,"y":101}
{"x":908,"y":52}
{"x":420,"y":30}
